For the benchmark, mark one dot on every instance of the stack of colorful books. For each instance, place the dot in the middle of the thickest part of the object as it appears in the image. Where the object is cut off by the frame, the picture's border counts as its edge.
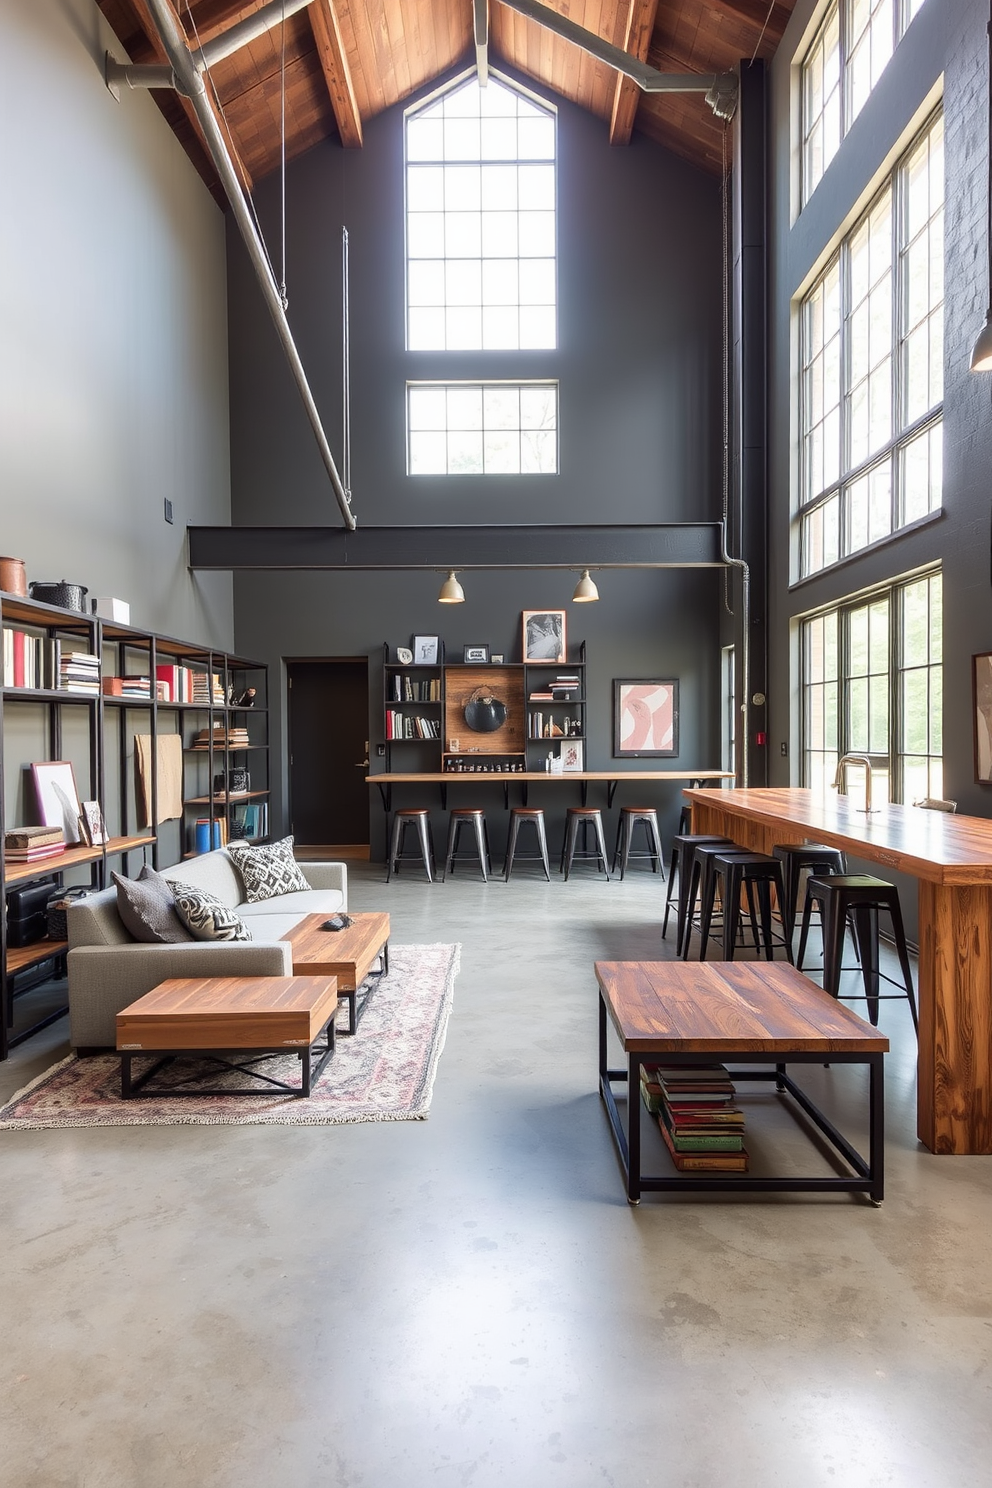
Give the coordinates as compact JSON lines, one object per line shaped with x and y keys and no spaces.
{"x":31,"y":844}
{"x":702,"y":1126}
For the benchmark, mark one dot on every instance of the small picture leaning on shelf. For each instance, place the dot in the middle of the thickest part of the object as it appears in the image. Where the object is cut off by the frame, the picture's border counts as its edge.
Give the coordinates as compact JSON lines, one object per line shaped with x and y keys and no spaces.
{"x":426,"y":650}
{"x":92,"y":824}
{"x":56,"y":796}
{"x":544,"y":635}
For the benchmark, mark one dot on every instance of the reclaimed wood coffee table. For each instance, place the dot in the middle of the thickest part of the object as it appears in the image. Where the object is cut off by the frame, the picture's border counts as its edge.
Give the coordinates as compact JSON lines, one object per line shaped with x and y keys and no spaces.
{"x":349,"y":955}
{"x":753,"y":1012}
{"x":199,"y":1016}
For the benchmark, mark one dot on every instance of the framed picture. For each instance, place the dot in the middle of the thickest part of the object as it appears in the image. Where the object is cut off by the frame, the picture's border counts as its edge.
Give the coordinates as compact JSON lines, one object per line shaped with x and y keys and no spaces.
{"x":426,"y":650}
{"x":544,"y":635}
{"x":58,"y":802}
{"x":982,"y":686}
{"x":91,"y":820}
{"x":497,"y":658}
{"x":645,"y":719}
{"x":572,"y":756}
{"x":476,"y":654}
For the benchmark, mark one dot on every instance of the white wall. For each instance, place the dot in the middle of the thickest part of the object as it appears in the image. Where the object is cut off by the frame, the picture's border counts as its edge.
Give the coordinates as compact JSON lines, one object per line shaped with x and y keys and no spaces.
{"x":113,"y":330}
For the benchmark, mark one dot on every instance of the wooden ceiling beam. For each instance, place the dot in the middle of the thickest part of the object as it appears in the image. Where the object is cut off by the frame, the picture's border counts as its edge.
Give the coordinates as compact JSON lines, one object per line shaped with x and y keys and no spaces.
{"x":755,"y":13}
{"x":626,"y":94}
{"x":148,"y":26}
{"x":337,"y":73}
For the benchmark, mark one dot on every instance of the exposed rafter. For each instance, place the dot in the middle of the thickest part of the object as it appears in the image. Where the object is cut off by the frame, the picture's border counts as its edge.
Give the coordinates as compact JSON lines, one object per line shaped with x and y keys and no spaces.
{"x":637,"y":38}
{"x":337,"y":73}
{"x":480,"y":18}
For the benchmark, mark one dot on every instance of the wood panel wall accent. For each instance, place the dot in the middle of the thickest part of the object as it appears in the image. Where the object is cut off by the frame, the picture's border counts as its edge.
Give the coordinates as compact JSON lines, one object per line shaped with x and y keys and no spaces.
{"x":507,"y":684}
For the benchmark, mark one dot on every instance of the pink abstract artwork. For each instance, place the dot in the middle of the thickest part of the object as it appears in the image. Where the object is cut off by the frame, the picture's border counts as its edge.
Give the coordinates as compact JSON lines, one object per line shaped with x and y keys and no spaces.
{"x":646,"y":718}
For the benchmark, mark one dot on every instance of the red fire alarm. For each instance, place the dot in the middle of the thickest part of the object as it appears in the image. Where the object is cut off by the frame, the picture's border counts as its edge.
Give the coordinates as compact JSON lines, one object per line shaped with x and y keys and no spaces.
{"x":761,"y":738}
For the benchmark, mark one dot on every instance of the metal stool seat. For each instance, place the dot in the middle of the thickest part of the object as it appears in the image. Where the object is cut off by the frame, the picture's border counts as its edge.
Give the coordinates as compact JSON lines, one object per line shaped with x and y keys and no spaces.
{"x":859,"y":897}
{"x":743,"y":870}
{"x":582,"y":818}
{"x":681,"y":863}
{"x":475,"y":817}
{"x":702,"y":887}
{"x":796,"y":857}
{"x":522,"y":816}
{"x":419,"y":818}
{"x":629,"y":818}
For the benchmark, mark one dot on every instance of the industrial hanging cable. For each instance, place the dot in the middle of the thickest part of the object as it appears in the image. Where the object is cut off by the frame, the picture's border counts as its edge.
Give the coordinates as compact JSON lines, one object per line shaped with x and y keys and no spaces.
{"x":345,"y":365}
{"x":761,"y":34}
{"x":282,"y":147}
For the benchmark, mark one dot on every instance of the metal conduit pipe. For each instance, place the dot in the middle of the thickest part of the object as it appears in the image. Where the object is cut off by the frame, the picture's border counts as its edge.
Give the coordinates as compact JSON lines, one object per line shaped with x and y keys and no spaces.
{"x":191,"y":83}
{"x":235,"y":37}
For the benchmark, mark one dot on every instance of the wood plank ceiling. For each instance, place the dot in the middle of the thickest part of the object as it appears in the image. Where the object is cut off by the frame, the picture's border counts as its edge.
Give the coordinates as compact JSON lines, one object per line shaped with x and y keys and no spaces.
{"x":348,"y":60}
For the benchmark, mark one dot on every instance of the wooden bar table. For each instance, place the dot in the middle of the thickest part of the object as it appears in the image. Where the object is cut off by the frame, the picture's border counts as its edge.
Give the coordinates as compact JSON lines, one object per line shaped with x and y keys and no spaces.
{"x":506,"y":778}
{"x":951,"y":859}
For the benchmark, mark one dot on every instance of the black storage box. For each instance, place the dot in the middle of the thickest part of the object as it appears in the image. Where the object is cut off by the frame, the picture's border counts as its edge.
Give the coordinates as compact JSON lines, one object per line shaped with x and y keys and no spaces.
{"x":27,"y":917}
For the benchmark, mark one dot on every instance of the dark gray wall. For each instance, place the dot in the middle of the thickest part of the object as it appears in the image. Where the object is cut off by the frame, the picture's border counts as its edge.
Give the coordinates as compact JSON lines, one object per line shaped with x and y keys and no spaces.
{"x":638,"y":366}
{"x":113,"y":365}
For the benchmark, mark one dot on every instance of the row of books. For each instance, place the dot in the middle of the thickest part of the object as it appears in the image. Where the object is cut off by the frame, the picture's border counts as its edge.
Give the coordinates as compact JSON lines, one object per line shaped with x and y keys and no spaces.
{"x":251,"y":820}
{"x":31,"y":844}
{"x":221,"y":737}
{"x":411,"y":726}
{"x":188,"y":686}
{"x":702,"y":1126}
{"x":415,"y":690}
{"x":38,"y":662}
{"x":546,"y":726}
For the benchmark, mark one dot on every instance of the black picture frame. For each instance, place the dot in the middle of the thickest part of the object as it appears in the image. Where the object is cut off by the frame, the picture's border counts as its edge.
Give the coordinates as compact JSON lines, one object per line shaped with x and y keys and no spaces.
{"x":477,"y":655}
{"x":645,"y":718}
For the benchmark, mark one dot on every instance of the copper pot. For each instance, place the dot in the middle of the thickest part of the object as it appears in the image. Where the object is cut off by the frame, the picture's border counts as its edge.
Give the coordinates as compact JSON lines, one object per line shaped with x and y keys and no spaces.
{"x":13,"y":578}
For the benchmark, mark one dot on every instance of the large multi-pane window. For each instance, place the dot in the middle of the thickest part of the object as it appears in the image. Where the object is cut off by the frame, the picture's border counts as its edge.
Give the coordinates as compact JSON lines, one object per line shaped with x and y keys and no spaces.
{"x":497,"y":428}
{"x":871,"y":685}
{"x":852,"y":45}
{"x":480,"y":221}
{"x":871,"y":386}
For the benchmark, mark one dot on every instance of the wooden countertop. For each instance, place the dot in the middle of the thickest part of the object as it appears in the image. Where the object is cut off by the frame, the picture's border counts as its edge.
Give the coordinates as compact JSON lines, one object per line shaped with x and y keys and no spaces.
{"x":505,"y":777}
{"x":937,"y":846}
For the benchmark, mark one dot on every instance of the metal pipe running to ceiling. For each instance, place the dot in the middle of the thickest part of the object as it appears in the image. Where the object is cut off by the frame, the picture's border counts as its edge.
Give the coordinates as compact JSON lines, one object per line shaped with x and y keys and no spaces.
{"x":190,"y":82}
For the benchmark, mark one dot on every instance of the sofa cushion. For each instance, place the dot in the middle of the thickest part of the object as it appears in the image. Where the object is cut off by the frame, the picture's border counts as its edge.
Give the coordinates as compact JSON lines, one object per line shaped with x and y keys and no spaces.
{"x":146,"y":905}
{"x":312,"y":901}
{"x":270,"y":927}
{"x":268,"y":872}
{"x":207,"y":917}
{"x":213,"y":872}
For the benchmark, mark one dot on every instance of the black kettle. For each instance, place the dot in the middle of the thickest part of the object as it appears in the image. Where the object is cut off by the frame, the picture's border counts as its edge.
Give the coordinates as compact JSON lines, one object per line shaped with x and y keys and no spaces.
{"x":484,"y":713}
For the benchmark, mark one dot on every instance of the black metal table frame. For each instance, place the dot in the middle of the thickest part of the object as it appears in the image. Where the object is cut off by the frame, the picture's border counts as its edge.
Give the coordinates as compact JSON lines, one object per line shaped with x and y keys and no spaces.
{"x":161,"y":1057}
{"x":368,"y":985}
{"x":870,"y":1174}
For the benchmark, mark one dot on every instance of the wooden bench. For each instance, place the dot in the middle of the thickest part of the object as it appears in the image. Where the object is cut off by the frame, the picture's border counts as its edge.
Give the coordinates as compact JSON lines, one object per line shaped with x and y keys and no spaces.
{"x":764,"y":1013}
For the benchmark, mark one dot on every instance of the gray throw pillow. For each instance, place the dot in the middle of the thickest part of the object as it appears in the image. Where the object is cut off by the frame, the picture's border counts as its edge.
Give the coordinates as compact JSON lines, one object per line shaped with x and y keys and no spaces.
{"x":267,"y":871}
{"x":147,"y":909}
{"x":206,"y":917}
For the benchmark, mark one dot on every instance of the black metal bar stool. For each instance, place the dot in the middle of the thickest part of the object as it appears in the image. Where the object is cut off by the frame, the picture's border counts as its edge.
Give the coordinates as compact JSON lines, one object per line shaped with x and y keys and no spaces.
{"x":630,"y":817}
{"x":582,"y":818}
{"x":859,"y":897}
{"x":747,"y":871}
{"x":702,"y":886}
{"x":522,"y":816}
{"x":475,"y":817}
{"x":419,"y":818}
{"x":796,"y":857}
{"x":681,"y":863}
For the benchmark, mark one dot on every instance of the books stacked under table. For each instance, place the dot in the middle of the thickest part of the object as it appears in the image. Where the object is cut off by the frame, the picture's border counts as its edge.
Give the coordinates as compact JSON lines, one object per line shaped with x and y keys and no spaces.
{"x":702,"y":1127}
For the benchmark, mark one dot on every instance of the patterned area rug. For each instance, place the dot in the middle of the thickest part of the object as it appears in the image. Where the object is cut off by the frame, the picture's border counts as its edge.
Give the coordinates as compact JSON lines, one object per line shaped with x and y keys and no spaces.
{"x":384,"y":1073}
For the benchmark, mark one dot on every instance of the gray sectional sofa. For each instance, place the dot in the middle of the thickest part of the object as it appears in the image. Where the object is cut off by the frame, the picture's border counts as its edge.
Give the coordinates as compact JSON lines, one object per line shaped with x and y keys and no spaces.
{"x":108,"y":969}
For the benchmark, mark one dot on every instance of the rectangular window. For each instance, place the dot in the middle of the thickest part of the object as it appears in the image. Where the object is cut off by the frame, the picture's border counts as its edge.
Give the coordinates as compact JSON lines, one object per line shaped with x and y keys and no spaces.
{"x":871,"y":684}
{"x":846,"y":59}
{"x":871,"y":369}
{"x":475,"y":428}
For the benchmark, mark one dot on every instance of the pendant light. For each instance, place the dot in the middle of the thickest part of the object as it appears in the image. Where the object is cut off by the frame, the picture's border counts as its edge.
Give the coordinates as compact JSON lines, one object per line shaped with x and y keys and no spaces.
{"x":981,"y":356}
{"x":585,"y":590}
{"x":451,"y":591}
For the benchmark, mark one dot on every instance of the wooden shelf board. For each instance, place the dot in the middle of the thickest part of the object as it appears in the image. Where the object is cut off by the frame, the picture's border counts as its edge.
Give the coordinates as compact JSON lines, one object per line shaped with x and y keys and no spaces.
{"x":21,"y":957}
{"x":48,"y":695}
{"x":71,"y":858}
{"x":224,"y":800}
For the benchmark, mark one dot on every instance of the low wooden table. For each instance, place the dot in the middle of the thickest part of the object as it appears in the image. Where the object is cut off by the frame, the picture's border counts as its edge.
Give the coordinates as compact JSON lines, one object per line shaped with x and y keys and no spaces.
{"x":755,"y":1012}
{"x":201,"y":1015}
{"x":348,"y":955}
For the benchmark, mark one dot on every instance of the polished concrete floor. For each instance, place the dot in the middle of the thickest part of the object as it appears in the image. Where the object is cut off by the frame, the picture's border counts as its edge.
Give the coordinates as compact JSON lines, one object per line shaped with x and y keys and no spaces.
{"x":469,"y":1300}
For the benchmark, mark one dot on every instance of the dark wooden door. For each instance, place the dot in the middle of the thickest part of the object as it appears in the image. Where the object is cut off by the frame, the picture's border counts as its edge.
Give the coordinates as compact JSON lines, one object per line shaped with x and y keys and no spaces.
{"x":328,"y":751}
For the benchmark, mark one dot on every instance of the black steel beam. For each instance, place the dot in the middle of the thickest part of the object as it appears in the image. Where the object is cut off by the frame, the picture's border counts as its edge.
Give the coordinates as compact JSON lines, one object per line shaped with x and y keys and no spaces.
{"x":665,"y":545}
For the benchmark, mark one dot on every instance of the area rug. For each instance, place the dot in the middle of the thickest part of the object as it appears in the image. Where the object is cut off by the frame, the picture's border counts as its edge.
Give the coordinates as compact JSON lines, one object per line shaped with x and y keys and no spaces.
{"x":385,"y":1072}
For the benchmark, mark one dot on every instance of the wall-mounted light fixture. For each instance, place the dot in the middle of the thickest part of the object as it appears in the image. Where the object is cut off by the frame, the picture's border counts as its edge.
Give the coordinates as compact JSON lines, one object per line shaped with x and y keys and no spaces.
{"x":451,"y":591}
{"x":585,"y":590}
{"x":981,"y":356}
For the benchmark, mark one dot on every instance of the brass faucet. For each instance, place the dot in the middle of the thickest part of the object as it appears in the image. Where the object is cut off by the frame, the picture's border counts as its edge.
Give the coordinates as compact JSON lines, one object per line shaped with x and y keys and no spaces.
{"x":855,"y":759}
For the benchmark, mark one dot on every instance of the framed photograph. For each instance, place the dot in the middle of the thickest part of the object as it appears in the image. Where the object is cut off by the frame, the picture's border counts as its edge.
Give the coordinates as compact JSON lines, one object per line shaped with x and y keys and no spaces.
{"x":58,"y":802}
{"x":645,"y":719}
{"x":544,"y":635}
{"x":497,"y":658}
{"x":572,"y":756}
{"x":91,"y":820}
{"x":426,"y":650}
{"x":476,"y":654}
{"x":982,"y":686}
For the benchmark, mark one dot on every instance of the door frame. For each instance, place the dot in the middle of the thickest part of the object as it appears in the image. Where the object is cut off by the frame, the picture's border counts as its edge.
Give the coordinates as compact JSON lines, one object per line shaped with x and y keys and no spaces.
{"x":355,"y":851}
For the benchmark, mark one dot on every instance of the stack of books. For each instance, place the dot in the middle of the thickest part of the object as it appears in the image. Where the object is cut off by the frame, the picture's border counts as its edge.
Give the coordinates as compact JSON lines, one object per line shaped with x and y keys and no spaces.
{"x":702,"y":1127}
{"x":564,"y":687}
{"x":231,"y":738}
{"x":207,"y":687}
{"x":29,"y":844}
{"x":79,"y":672}
{"x":135,"y":687}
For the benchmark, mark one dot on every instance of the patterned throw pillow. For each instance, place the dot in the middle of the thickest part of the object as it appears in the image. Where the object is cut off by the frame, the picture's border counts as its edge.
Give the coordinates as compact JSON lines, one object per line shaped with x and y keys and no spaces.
{"x":206,"y":917}
{"x":268,"y":871}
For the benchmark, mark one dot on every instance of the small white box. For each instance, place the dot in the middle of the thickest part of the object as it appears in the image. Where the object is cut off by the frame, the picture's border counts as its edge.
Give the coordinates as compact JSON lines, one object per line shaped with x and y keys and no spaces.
{"x":112,"y":609}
